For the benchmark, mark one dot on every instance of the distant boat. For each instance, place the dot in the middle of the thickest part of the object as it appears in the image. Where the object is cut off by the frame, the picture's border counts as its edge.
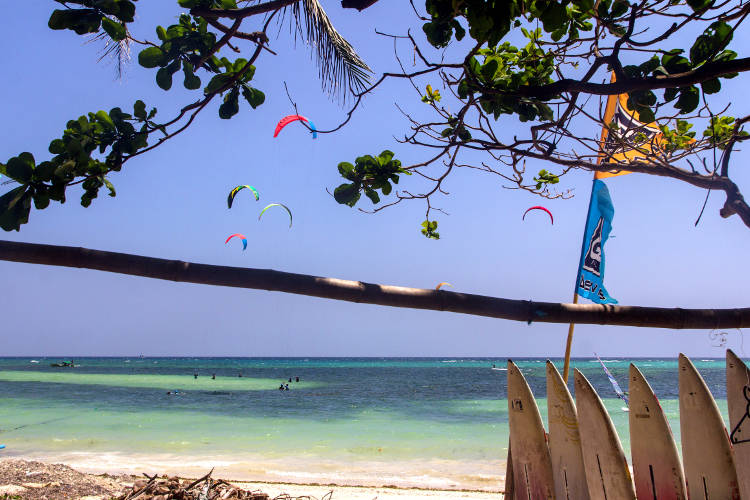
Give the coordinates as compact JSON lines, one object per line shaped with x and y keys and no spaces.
{"x":615,"y":385}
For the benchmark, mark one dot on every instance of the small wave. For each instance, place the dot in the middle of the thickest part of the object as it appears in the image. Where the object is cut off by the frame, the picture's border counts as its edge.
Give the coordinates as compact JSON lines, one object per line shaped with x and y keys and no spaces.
{"x":33,"y":361}
{"x":450,"y":361}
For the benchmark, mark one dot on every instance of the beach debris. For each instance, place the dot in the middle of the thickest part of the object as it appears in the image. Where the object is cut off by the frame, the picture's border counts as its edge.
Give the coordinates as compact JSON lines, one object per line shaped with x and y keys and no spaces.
{"x":538,"y":207}
{"x":278,"y":205}
{"x":244,"y":242}
{"x":233,"y":193}
{"x":293,"y":118}
{"x":206,"y":488}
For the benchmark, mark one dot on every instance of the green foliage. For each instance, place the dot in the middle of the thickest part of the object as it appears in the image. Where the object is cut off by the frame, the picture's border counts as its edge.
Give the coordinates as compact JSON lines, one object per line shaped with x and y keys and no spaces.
{"x":189,"y":44}
{"x":112,"y":135}
{"x":454,"y":127}
{"x":545,"y":178}
{"x":679,"y":138}
{"x":432,"y":96}
{"x":368,"y":174}
{"x":720,"y":130}
{"x":96,"y":14}
{"x":429,"y":229}
{"x":505,"y":68}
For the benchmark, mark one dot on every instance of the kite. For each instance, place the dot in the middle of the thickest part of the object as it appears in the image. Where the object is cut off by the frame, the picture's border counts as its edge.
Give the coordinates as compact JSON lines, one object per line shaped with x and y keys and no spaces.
{"x":539,"y":208}
{"x":278,"y":205}
{"x":241,"y":236}
{"x":293,"y":118}
{"x":441,"y":284}
{"x":233,"y":193}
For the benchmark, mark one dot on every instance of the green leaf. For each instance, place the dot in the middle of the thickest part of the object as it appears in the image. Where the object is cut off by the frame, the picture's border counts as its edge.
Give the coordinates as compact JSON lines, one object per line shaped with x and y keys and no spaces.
{"x":347,"y":194}
{"x":111,"y":188}
{"x":152,"y":57}
{"x":191,"y":81}
{"x":15,"y":206}
{"x":79,"y":20}
{"x":139,"y":109}
{"x":115,"y":30}
{"x":711,"y":86}
{"x":253,"y":96}
{"x":688,"y":100}
{"x":217,"y":82}
{"x":20,"y":168}
{"x":554,"y":16}
{"x":104,"y":118}
{"x":56,"y":147}
{"x":373,"y":195}
{"x":711,"y":42}
{"x":697,"y":5}
{"x":164,"y":78}
{"x":230,"y":106}
{"x":346,"y":170}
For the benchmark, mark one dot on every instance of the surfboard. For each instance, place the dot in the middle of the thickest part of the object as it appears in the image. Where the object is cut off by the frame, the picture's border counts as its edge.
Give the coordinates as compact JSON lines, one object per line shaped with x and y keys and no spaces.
{"x":564,"y":441}
{"x":508,"y":493}
{"x":706,"y":453}
{"x":657,"y":470}
{"x":532,"y":469}
{"x":738,"y":401}
{"x":607,"y":473}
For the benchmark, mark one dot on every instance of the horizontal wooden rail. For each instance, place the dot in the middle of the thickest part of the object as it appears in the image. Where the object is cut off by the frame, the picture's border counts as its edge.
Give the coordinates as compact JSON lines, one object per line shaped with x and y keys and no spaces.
{"x":369,"y":293}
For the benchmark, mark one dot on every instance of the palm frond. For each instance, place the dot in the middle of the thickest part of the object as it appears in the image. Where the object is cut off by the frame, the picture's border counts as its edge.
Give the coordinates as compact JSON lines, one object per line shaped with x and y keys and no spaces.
{"x":116,"y":51}
{"x":339,"y":67}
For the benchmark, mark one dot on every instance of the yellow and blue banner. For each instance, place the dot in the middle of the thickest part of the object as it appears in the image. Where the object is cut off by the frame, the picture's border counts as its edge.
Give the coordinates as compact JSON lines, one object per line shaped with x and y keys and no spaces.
{"x":598,"y":226}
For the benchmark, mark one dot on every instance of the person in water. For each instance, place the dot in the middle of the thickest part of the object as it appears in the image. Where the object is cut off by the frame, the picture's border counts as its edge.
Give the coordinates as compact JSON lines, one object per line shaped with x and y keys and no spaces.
{"x":213,"y":376}
{"x":281,"y":387}
{"x":290,"y":379}
{"x":296,"y":379}
{"x":240,"y":375}
{"x":195,"y":375}
{"x":286,"y":387}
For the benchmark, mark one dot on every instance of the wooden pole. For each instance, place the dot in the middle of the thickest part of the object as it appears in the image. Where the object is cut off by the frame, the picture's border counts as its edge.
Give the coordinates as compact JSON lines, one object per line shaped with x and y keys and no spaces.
{"x":370,"y":293}
{"x":568,"y":344}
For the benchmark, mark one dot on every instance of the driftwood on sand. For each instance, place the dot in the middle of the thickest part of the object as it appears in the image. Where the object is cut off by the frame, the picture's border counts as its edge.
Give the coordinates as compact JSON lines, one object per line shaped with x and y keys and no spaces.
{"x":205,"y":488}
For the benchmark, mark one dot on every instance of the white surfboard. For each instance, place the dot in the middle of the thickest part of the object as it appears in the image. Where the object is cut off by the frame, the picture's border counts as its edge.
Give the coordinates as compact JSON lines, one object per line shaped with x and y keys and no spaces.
{"x":564,"y":440}
{"x":706,"y":453}
{"x":607,"y":472}
{"x":738,"y":401}
{"x":657,"y":470}
{"x":532,"y":469}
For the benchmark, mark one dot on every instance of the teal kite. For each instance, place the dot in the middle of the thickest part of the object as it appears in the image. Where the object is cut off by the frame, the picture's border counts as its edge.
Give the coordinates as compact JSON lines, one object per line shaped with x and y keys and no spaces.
{"x":233,"y":193}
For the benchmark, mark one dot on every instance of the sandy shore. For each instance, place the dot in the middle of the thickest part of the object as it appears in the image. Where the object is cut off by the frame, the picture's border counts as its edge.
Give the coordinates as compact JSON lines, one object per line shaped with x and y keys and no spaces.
{"x":25,"y":479}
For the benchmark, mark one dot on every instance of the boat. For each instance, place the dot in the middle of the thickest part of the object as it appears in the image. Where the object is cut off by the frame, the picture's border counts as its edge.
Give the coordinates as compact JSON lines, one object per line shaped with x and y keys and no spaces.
{"x":620,"y":393}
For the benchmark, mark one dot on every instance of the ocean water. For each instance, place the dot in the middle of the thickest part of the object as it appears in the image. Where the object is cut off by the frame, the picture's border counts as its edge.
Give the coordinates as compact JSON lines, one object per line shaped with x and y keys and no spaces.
{"x":436,"y":423}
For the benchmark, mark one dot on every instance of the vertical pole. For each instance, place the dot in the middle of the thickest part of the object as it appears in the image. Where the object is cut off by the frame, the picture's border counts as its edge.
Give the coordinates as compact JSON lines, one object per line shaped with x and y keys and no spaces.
{"x":566,"y":367}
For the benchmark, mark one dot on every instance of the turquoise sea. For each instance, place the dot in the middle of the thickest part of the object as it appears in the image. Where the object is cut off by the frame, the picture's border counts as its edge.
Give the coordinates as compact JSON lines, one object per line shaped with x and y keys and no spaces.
{"x":437,"y":423}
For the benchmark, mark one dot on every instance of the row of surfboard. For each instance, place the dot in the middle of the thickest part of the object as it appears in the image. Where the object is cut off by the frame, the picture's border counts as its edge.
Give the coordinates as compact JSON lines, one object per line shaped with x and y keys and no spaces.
{"x":582,"y":457}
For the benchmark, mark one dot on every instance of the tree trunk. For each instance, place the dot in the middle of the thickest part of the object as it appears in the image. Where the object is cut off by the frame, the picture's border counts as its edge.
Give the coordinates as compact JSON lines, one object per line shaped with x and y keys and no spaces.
{"x":369,"y":293}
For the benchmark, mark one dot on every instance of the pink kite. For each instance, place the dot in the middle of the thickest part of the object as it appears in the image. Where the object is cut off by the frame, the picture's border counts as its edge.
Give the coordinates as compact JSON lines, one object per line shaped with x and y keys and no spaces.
{"x":539,"y":208}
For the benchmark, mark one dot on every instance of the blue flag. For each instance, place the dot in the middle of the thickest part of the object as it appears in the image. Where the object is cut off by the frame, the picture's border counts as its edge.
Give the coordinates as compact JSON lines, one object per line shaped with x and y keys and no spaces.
{"x":598,"y":225}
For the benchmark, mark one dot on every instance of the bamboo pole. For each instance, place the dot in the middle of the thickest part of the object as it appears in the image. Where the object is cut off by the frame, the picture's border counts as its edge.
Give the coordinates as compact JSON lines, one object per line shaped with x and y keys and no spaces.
{"x":568,"y":344}
{"x":370,"y":293}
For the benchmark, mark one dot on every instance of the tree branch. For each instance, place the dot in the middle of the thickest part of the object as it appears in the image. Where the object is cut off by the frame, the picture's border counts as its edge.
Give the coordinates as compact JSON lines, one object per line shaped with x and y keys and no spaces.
{"x":702,"y":74}
{"x":368,"y":293}
{"x":242,"y":13}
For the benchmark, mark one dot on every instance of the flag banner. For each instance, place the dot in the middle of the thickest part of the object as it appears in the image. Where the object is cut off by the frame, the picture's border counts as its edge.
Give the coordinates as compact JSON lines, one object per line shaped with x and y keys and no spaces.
{"x":629,"y":139}
{"x":598,"y":225}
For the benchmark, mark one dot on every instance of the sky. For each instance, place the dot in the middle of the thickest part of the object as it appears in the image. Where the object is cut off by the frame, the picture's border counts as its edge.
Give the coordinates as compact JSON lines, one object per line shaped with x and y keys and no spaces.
{"x":171,"y":203}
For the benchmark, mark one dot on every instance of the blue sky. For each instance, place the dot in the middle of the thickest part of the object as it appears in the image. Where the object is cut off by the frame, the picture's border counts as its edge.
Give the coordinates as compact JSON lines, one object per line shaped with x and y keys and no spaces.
{"x":171,"y":204}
